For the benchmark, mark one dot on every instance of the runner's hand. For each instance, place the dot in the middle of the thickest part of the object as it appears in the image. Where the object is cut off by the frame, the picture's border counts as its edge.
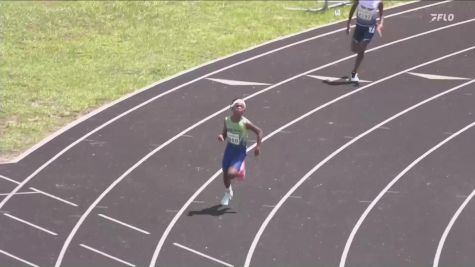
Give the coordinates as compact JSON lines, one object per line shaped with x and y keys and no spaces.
{"x":380,"y":30}
{"x":257,"y":151}
{"x":221,"y":138}
{"x":348,"y":28}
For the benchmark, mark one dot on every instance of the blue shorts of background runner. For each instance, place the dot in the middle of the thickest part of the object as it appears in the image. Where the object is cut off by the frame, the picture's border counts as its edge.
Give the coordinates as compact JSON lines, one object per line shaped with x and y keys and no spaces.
{"x":363,"y":33}
{"x":234,"y":156}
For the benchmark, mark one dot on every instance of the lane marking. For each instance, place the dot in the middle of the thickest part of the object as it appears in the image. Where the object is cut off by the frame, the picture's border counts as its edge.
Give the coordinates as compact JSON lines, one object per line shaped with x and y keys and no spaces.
{"x":54,"y":197}
{"x":334,"y":79}
{"x":20,"y":193}
{"x":30,"y":224}
{"x":18,"y":258}
{"x":268,"y":206}
{"x":397,"y":178}
{"x":449,"y":227}
{"x":437,"y":77}
{"x":8,"y":179}
{"x":236,"y":83}
{"x":203,"y":255}
{"x":107,"y":255}
{"x":124,"y":224}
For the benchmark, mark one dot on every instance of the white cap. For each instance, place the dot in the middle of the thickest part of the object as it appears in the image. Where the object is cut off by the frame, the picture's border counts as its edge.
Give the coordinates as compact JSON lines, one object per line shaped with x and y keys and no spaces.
{"x":238,"y":101}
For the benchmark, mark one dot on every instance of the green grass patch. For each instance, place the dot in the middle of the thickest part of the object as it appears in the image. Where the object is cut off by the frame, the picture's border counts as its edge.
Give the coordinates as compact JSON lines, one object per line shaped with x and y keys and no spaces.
{"x":62,"y":59}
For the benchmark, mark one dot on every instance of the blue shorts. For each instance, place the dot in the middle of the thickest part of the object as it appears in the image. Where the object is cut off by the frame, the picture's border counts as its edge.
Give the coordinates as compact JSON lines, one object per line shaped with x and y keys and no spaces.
{"x":234,"y":156}
{"x":363,"y":33}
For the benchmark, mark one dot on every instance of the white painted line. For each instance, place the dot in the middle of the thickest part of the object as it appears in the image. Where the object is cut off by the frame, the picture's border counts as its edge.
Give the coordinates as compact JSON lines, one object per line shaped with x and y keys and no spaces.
{"x":397,"y":178}
{"x":30,"y":224}
{"x":236,"y":83}
{"x":150,"y":154}
{"x":20,"y":193}
{"x":171,"y":211}
{"x":437,"y":77}
{"x":107,"y":255}
{"x":9,"y":179}
{"x":124,"y":224}
{"x":53,"y":197}
{"x":449,"y":227}
{"x":185,"y":206}
{"x":298,"y":197}
{"x":18,"y":259}
{"x":334,"y":79}
{"x":268,"y":206}
{"x":203,"y":255}
{"x":328,"y":158}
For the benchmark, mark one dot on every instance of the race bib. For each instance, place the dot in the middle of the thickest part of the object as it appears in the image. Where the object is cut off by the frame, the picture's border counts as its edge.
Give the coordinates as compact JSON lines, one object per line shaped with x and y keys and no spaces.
{"x":233,"y":138}
{"x":365,"y":14}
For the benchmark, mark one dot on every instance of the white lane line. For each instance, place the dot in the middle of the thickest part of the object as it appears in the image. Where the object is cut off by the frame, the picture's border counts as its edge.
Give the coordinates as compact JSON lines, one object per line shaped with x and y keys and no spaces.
{"x":171,"y":211}
{"x":381,"y":194}
{"x":54,"y":197}
{"x":8,"y":179}
{"x":437,"y":77}
{"x":203,"y":255}
{"x":18,"y":259}
{"x":268,"y":206}
{"x":334,"y":79}
{"x":30,"y":224}
{"x":297,"y":197}
{"x":124,"y":224}
{"x":236,"y":83}
{"x":212,"y":178}
{"x":150,"y":154}
{"x":107,"y":255}
{"x":20,"y":193}
{"x":328,"y":158}
{"x":449,"y":227}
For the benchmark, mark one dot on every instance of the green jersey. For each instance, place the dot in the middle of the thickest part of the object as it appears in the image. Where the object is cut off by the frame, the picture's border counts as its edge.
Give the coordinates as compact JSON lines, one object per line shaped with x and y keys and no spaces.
{"x":236,"y":131}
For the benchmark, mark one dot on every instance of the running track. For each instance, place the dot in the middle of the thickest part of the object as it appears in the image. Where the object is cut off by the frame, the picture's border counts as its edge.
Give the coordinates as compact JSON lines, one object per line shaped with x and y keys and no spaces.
{"x":375,"y":175}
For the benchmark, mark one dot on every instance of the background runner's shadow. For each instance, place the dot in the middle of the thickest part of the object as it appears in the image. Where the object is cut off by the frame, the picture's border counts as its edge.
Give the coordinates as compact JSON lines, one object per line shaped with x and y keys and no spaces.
{"x":216,"y":210}
{"x":342,"y":81}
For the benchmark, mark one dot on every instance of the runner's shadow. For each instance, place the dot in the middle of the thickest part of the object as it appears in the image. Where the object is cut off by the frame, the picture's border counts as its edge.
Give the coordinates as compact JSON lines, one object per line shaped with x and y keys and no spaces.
{"x":342,"y":81}
{"x":216,"y":210}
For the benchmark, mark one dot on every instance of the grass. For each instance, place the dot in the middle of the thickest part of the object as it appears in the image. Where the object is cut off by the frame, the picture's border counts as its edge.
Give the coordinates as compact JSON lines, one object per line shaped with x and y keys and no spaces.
{"x":60,"y":60}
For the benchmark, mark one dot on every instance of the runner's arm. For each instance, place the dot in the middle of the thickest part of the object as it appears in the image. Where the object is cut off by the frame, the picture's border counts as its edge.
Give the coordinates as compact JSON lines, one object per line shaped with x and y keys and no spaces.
{"x":352,"y":11}
{"x":222,"y":136}
{"x":381,"y":18}
{"x":258,"y":132}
